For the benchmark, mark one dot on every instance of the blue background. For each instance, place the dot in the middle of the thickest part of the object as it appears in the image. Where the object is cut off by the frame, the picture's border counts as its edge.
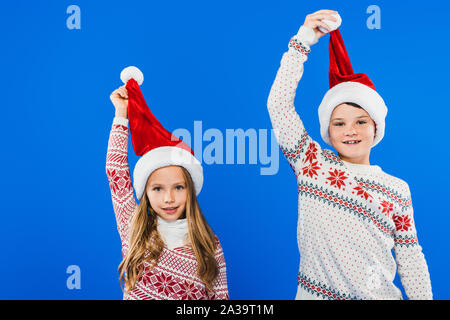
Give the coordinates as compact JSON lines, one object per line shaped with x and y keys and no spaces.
{"x":211,"y":61}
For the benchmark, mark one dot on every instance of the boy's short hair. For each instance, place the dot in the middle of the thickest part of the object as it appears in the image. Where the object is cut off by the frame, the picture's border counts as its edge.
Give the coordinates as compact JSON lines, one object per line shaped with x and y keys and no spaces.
{"x":354,"y":105}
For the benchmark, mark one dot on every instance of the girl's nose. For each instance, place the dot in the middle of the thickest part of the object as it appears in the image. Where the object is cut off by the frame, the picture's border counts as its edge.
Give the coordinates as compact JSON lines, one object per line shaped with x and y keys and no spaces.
{"x":168,"y":198}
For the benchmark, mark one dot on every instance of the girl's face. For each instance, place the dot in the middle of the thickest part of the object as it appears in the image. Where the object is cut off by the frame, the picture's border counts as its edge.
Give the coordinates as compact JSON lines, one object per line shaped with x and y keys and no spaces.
{"x":349,"y":123}
{"x":167,"y":192}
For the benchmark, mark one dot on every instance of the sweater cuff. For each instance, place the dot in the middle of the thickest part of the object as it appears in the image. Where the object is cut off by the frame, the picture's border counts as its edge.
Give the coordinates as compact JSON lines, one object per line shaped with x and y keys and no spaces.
{"x":300,"y":47}
{"x":307,"y":36}
{"x":121,"y":120}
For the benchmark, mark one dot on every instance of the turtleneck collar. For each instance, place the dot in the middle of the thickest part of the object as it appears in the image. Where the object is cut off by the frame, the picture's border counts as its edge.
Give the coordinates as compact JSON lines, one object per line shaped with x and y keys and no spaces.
{"x":362,"y":168}
{"x":173,"y":233}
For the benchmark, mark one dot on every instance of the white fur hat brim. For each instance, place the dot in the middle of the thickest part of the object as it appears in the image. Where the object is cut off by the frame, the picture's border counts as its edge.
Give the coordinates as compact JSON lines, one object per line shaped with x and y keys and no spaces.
{"x":360,"y":94}
{"x":163,"y":157}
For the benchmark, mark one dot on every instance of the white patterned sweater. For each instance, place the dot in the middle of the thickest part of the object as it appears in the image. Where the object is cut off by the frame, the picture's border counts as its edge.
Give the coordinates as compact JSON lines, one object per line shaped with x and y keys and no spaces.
{"x":350,"y":216}
{"x":175,"y":275}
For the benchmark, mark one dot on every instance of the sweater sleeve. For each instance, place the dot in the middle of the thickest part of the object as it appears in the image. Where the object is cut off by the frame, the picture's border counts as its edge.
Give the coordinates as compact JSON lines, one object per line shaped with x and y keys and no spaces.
{"x":119,"y":179}
{"x":291,"y":135}
{"x":412,"y":266}
{"x":220,"y":285}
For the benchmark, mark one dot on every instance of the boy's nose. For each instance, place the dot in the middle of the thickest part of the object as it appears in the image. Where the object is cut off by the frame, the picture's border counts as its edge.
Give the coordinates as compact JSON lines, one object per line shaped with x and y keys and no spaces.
{"x":351,"y":131}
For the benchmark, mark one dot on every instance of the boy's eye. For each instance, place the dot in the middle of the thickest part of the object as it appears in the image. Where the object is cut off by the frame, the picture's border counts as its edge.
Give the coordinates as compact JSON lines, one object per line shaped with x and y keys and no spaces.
{"x":338,"y":123}
{"x":361,"y":121}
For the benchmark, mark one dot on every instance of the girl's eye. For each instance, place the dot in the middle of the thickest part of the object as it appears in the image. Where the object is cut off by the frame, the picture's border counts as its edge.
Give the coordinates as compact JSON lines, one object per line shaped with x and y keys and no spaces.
{"x":157,"y":189}
{"x":361,"y":121}
{"x":180,"y":187}
{"x":338,"y":123}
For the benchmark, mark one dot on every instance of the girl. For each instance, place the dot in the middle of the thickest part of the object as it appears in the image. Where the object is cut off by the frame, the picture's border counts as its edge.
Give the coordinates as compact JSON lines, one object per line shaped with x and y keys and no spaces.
{"x":169,"y":251}
{"x":351,"y":213}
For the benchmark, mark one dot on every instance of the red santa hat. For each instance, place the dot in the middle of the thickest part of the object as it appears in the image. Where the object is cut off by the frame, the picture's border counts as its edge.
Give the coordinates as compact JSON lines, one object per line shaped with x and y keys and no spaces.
{"x":347,"y":86}
{"x":157,"y":147}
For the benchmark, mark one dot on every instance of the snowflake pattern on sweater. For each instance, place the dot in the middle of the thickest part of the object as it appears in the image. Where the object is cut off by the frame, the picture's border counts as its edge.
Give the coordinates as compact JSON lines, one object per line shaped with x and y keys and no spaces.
{"x":174,"y":277}
{"x":350,"y":216}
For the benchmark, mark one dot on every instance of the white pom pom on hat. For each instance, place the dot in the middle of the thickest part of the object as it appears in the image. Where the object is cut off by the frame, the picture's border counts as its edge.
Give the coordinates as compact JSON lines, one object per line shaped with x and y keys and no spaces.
{"x":332,"y":24}
{"x":132,"y":73}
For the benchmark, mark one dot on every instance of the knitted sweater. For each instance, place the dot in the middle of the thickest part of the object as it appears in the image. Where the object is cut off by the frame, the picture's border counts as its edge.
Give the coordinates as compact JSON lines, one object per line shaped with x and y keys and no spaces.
{"x":350,"y":216}
{"x":174,"y":277}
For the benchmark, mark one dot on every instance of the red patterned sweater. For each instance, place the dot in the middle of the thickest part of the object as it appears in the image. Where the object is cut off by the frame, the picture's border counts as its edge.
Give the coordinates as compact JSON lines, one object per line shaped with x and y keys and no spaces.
{"x":350,"y":216}
{"x":174,"y":277}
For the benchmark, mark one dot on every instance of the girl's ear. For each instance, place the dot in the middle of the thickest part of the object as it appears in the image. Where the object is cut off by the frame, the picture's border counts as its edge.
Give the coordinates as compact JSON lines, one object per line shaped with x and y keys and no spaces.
{"x":375,"y":129}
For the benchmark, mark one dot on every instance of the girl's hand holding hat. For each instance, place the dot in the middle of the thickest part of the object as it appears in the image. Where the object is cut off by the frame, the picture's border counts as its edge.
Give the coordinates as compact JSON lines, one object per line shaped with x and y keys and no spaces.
{"x":119,"y":98}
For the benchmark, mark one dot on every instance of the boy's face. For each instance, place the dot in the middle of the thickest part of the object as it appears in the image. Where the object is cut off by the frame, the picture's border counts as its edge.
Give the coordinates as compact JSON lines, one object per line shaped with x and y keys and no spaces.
{"x":167,"y":192}
{"x":349,"y":123}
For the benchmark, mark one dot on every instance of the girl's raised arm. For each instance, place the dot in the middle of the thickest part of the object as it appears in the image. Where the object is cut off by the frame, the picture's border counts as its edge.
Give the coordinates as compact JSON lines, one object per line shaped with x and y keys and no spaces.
{"x":117,"y":169}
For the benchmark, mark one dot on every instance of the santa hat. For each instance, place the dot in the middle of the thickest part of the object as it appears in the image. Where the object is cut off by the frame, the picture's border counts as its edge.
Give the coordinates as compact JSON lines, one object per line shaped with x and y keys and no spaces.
{"x":157,"y":147}
{"x":346,"y":86}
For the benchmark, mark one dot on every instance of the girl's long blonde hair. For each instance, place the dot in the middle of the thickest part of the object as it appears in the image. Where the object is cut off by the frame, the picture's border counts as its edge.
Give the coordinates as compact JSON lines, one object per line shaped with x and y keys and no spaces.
{"x":145,"y":243}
